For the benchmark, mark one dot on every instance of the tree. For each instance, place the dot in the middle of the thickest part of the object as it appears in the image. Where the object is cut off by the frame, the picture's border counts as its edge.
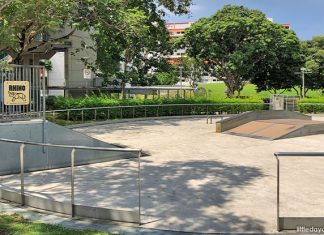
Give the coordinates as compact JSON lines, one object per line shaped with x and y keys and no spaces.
{"x":314,"y":53}
{"x":278,"y":71}
{"x":166,"y":78}
{"x":24,"y":21}
{"x":239,"y":45}
{"x":192,"y":70}
{"x":131,"y":32}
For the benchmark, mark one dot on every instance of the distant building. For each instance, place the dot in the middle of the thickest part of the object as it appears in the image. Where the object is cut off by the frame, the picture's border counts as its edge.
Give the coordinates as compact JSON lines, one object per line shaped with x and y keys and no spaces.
{"x":177,"y":30}
{"x":286,"y":26}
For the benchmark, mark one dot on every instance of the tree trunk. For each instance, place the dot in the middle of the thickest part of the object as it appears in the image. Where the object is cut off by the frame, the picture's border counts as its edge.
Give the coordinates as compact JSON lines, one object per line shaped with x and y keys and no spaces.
{"x":123,"y":90}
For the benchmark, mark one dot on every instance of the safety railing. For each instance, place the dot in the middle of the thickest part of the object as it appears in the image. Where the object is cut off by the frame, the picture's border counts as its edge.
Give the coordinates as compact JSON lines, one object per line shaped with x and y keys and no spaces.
{"x":291,"y":223}
{"x":73,"y":209}
{"x":143,"y":111}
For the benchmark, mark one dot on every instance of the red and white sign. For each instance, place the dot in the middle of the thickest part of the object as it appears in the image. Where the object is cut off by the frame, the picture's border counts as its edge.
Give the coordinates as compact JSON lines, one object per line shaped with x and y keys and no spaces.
{"x":87,"y":74}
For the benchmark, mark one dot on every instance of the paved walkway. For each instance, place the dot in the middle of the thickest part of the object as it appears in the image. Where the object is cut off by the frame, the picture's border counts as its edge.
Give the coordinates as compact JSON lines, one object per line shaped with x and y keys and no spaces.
{"x":194,"y":179}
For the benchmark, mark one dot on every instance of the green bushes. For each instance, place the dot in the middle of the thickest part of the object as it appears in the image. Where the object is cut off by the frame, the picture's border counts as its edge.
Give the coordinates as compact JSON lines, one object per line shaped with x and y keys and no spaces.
{"x":146,"y":108}
{"x":311,"y":105}
{"x":105,"y":101}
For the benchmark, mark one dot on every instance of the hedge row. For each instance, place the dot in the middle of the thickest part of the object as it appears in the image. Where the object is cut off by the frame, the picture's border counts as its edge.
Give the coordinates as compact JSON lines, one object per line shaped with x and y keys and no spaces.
{"x":311,"y":105}
{"x":115,"y":111}
{"x":104,"y":101}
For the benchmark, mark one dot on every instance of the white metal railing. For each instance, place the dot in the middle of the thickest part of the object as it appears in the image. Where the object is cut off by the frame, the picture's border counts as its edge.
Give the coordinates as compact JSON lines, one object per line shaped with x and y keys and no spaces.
{"x":73,"y":150}
{"x":286,"y":223}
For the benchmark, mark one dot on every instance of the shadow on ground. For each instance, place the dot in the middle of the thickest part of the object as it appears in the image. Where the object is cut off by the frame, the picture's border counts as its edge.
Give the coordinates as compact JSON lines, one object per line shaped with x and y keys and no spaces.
{"x":185,"y":196}
{"x":128,"y":126}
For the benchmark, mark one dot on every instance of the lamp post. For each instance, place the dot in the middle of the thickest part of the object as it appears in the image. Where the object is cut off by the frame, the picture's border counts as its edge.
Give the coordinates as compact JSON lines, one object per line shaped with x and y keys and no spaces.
{"x":180,"y":71}
{"x":303,"y":80}
{"x":302,"y":72}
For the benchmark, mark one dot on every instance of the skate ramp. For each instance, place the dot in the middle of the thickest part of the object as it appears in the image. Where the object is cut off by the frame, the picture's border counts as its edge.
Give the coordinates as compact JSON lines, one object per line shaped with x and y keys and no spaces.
{"x":270,"y":125}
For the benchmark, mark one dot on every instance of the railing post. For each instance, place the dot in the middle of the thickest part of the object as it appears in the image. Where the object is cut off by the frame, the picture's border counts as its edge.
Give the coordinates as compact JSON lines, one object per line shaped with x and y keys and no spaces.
{"x":108,"y":114}
{"x":278,"y":193}
{"x":82,"y":115}
{"x":139,"y":184}
{"x":72,"y":181}
{"x":95,"y":115}
{"x":121,"y":113}
{"x":133,"y":112}
{"x":22,"y":177}
{"x":53,"y":115}
{"x":68,"y":115}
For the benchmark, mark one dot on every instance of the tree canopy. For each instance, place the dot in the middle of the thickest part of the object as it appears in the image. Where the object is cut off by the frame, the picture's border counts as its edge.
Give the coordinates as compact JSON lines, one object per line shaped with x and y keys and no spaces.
{"x":314,"y":53}
{"x":240,"y":45}
{"x":22,"y":21}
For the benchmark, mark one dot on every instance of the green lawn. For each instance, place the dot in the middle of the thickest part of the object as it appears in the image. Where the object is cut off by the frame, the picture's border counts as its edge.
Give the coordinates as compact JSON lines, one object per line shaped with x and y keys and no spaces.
{"x":217,"y":90}
{"x":16,"y":224}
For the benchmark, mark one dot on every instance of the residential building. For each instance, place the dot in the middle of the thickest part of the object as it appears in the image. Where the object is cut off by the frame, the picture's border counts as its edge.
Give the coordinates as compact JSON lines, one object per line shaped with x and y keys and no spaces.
{"x":177,"y":30}
{"x":68,"y":55}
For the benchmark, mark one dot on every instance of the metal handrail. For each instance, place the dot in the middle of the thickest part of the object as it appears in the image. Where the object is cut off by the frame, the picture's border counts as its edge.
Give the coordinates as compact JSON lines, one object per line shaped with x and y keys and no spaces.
{"x":289,"y":154}
{"x":70,"y":146}
{"x":73,"y":150}
{"x":310,"y":103}
{"x":299,"y":154}
{"x":153,"y":105}
{"x":159,"y":109}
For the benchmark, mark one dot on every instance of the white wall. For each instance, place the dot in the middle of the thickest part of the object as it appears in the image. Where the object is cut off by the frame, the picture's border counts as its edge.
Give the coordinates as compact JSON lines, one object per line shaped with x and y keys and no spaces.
{"x":57,"y":74}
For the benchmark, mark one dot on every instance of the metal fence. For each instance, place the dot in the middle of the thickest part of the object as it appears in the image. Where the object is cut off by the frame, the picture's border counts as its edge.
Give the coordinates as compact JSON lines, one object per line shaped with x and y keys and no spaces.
{"x":291,"y":223}
{"x":73,"y":209}
{"x":284,"y":102}
{"x":31,"y":74}
{"x":143,"y":111}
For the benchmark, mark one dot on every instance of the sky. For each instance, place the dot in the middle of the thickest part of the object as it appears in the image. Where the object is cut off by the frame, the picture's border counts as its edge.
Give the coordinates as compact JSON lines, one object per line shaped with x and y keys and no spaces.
{"x":305,"y":16}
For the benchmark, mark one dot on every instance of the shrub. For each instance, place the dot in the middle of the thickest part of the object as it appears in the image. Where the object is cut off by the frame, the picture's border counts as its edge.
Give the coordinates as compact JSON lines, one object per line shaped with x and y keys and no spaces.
{"x":311,"y":105}
{"x":100,"y":102}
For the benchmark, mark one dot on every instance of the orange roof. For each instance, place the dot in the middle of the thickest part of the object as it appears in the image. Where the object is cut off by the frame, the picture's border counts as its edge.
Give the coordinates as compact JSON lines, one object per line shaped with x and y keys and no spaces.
{"x":178,"y":23}
{"x":174,"y":61}
{"x":176,"y":30}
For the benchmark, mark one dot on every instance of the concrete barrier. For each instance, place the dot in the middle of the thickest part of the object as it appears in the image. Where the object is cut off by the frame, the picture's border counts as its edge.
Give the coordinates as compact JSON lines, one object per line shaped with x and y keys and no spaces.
{"x":43,"y":158}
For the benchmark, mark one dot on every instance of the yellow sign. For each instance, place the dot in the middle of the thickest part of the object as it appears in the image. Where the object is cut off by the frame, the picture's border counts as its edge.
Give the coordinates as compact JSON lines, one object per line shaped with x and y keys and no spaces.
{"x":16,"y":92}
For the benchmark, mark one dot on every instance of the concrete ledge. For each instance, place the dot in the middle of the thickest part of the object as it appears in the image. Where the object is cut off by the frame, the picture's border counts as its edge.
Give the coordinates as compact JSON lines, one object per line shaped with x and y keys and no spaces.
{"x":66,"y":208}
{"x":291,"y":223}
{"x":310,"y":129}
{"x":106,"y":214}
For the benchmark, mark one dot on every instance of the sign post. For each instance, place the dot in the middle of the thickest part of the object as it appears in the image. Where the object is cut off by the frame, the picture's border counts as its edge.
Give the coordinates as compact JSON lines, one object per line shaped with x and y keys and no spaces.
{"x":16,"y":93}
{"x":87,"y":75}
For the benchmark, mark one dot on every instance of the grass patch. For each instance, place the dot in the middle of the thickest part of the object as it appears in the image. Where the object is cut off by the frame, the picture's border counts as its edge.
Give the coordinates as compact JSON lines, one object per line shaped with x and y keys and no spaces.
{"x":217,"y":91}
{"x":16,"y":224}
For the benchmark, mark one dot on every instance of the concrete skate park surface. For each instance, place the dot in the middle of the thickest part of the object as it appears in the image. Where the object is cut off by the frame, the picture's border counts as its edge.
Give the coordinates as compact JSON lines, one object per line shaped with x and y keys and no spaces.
{"x":193,"y":179}
{"x":270,"y":125}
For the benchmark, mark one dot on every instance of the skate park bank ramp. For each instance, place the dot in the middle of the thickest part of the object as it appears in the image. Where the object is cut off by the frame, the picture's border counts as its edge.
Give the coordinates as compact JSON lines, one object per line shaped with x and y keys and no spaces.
{"x":270,"y":125}
{"x":43,"y":158}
